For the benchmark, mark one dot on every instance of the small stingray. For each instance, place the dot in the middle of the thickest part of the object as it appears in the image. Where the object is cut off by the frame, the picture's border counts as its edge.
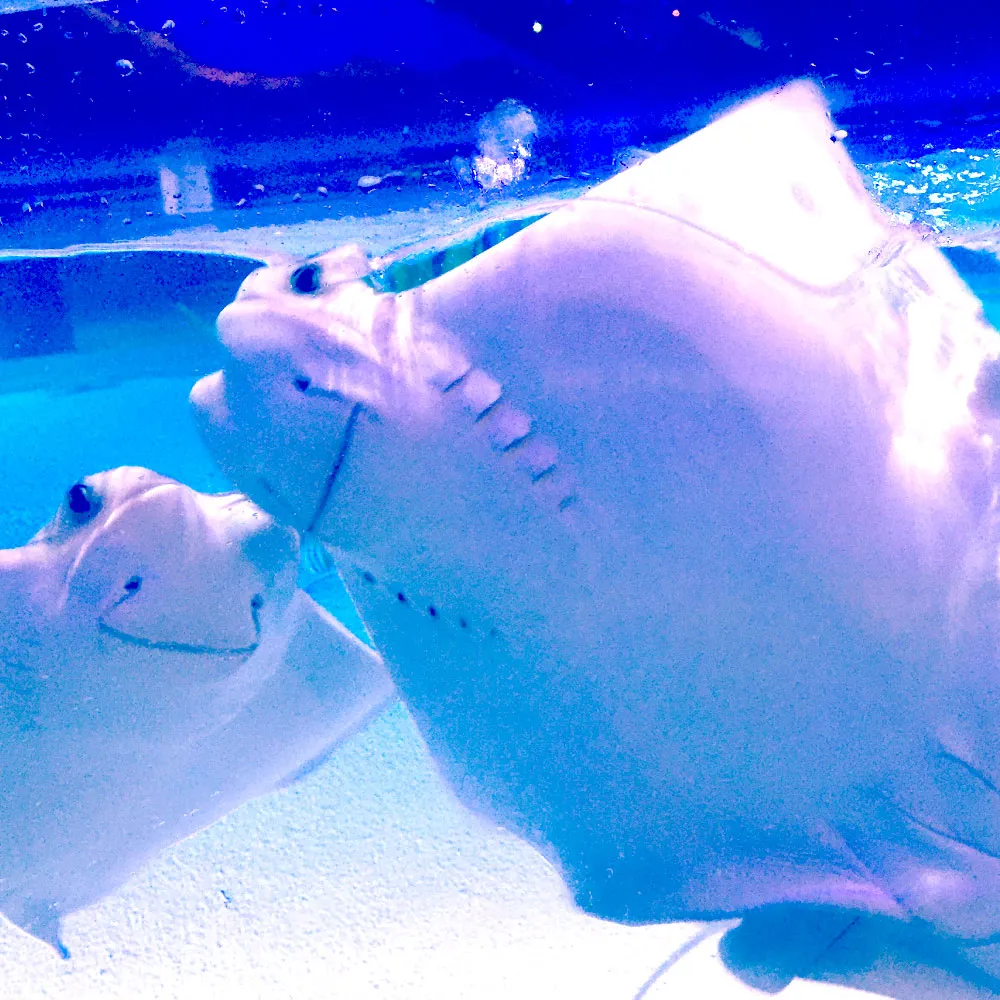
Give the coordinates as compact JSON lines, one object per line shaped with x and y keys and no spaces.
{"x":675,"y":518}
{"x":158,"y":667}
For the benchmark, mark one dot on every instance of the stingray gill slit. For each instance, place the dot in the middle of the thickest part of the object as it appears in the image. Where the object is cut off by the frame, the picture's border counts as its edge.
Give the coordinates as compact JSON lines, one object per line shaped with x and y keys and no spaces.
{"x":517,"y":442}
{"x":483,"y":414}
{"x":455,"y":383}
{"x":536,"y":477}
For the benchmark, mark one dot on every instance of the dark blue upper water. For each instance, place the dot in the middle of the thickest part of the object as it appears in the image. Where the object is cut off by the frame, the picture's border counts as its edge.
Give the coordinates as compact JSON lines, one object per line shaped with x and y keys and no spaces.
{"x":91,"y":92}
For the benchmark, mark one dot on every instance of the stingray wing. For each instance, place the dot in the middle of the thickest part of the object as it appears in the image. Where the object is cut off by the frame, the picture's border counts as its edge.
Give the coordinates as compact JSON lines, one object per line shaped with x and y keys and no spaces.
{"x":693,"y":458}
{"x":854,"y":350}
{"x":851,"y":343}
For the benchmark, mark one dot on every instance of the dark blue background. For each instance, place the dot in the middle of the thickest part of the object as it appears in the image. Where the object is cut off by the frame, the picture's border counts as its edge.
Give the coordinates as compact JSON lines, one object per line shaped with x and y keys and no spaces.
{"x":349,"y":65}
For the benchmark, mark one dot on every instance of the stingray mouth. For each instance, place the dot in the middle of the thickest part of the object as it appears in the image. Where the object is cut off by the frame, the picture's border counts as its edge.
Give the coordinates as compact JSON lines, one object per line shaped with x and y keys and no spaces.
{"x":339,"y":458}
{"x":169,"y":646}
{"x":133,"y":585}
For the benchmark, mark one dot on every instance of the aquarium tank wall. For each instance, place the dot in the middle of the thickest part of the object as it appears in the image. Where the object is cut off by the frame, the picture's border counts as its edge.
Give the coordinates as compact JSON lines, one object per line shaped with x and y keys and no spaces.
{"x":500,"y":499}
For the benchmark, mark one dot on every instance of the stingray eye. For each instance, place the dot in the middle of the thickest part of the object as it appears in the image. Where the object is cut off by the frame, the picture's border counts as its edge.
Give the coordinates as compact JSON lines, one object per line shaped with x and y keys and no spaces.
{"x":301,"y":384}
{"x":133,"y":584}
{"x":306,"y":279}
{"x":83,"y":502}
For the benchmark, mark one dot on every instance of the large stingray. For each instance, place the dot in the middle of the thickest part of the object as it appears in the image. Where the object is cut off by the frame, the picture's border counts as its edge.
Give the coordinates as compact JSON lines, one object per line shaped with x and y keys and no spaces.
{"x":674,"y":517}
{"x":158,"y":667}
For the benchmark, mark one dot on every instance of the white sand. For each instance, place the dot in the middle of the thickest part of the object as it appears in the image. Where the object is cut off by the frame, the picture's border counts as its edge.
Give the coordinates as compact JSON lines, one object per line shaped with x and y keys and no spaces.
{"x":364,"y":879}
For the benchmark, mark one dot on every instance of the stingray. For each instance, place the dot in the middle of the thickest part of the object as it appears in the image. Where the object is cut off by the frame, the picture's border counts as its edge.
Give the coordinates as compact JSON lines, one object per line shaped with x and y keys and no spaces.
{"x":158,"y":667}
{"x":674,"y":517}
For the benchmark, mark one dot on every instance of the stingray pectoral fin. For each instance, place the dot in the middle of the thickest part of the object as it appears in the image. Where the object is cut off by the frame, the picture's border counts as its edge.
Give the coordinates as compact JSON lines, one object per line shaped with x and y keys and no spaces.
{"x":42,"y":920}
{"x":809,"y":216}
{"x":328,"y":686}
{"x":887,"y":956}
{"x":800,"y":212}
{"x":775,"y":944}
{"x":346,"y":676}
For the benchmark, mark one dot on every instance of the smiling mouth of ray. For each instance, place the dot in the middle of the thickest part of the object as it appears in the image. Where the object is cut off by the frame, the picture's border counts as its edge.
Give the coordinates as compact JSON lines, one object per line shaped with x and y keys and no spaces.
{"x":169,"y":646}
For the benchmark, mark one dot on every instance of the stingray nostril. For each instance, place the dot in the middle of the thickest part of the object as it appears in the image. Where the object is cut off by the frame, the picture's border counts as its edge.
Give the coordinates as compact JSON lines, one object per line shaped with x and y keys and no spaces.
{"x":82,"y":501}
{"x":306,"y":279}
{"x":256,"y":603}
{"x":131,"y":586}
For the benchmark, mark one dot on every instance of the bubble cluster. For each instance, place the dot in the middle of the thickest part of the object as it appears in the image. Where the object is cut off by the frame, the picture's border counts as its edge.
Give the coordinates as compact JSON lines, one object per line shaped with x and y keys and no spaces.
{"x":506,"y":135}
{"x":945,"y":189}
